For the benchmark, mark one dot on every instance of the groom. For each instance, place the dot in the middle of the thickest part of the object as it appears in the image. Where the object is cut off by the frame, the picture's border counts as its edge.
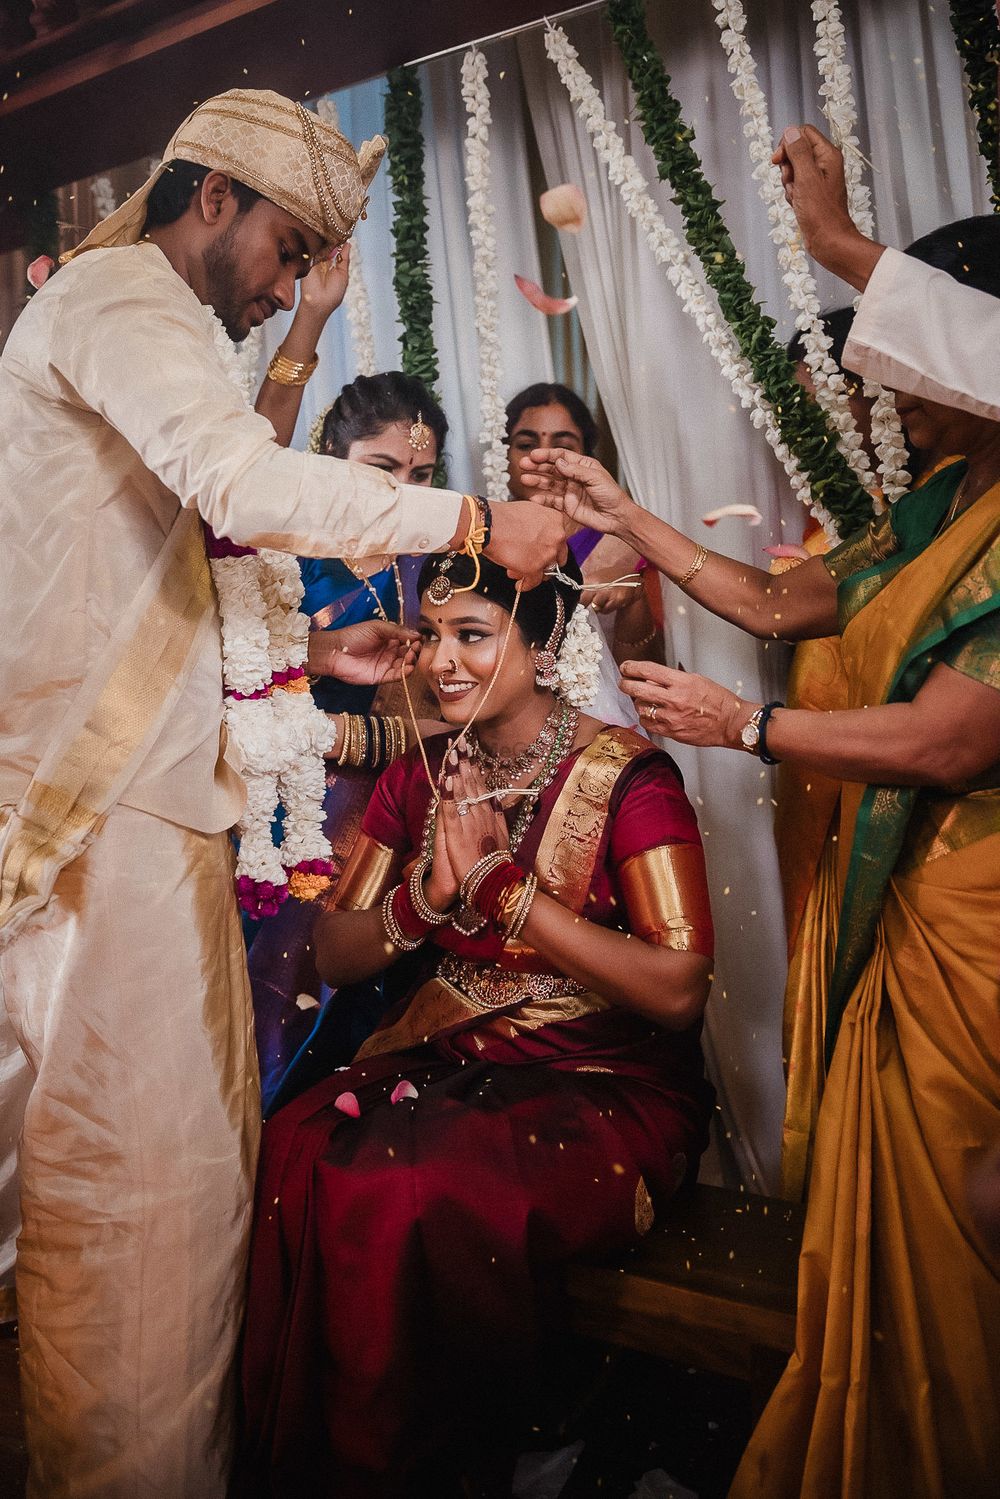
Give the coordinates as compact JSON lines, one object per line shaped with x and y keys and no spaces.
{"x":121,"y":962}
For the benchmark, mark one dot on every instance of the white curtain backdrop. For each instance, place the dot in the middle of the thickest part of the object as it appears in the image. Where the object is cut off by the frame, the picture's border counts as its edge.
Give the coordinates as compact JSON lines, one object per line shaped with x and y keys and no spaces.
{"x":527,"y":354}
{"x":684,"y":444}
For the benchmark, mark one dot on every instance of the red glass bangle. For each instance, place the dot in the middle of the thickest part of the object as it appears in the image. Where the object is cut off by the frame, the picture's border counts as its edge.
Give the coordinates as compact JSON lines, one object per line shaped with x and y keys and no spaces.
{"x":494,"y":888}
{"x":411,"y":924}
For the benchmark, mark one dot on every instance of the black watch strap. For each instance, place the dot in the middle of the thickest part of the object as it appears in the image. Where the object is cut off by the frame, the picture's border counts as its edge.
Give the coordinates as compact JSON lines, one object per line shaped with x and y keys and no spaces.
{"x":765,"y":719}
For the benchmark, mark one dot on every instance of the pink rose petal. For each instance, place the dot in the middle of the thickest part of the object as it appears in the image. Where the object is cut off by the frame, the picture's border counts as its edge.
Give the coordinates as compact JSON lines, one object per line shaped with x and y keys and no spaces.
{"x":347,"y":1103}
{"x":564,"y":207}
{"x":551,"y":306}
{"x":402,"y":1090}
{"x":40,"y":270}
{"x":788,"y":550}
{"x":749,"y":513}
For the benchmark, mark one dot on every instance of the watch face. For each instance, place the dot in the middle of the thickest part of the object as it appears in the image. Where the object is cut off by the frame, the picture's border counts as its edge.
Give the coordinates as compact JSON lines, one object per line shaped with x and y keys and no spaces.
{"x":750,"y":733}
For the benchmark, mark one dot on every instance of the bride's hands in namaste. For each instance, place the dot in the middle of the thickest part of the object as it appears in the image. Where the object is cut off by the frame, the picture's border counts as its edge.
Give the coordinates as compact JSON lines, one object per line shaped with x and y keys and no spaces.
{"x":364,"y":654}
{"x":684,"y":706}
{"x":578,"y":486}
{"x":479,"y":830}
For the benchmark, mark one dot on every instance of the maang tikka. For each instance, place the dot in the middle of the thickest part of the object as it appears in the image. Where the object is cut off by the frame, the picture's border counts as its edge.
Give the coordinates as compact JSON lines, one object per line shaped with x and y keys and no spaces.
{"x":546,"y":664}
{"x":420,"y":434}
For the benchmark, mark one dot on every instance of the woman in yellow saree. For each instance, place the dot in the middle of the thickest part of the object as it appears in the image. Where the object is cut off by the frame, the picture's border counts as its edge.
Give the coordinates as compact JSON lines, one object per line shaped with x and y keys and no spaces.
{"x":894,"y":1385}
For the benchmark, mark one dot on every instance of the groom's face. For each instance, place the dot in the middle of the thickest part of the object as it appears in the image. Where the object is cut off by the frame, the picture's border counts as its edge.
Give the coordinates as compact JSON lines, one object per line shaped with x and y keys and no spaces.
{"x":254,"y":262}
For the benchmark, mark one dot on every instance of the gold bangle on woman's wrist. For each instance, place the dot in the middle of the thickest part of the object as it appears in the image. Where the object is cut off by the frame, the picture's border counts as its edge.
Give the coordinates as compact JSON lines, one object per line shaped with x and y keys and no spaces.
{"x":284,"y":371}
{"x":700,"y":558}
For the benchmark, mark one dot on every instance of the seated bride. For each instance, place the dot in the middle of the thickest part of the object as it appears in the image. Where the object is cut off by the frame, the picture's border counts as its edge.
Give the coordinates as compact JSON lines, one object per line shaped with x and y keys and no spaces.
{"x":539,"y":1093}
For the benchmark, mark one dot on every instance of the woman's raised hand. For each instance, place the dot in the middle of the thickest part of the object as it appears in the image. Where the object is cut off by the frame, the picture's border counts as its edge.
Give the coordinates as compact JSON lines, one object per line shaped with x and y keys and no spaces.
{"x":684,"y":706}
{"x":478,"y":830}
{"x":578,"y":486}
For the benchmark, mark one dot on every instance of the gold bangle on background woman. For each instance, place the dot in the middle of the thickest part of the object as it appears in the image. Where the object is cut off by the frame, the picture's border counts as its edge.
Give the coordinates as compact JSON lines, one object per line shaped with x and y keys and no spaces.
{"x":371,"y":743}
{"x":290,"y":371}
{"x":700,"y":558}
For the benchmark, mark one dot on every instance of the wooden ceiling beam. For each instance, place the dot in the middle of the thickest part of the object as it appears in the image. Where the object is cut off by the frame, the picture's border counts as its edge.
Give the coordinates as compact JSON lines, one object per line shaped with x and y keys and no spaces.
{"x":122,"y":98}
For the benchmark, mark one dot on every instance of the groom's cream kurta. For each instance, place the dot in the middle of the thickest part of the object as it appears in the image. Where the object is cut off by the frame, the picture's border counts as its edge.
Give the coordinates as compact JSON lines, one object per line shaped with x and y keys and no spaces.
{"x":126,"y":985}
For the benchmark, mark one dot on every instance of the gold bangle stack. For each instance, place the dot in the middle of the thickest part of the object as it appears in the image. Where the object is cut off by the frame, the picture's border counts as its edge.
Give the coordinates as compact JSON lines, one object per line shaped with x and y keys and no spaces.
{"x":393,"y":930}
{"x":370,"y":743}
{"x":290,"y":371}
{"x":700,"y":558}
{"x":517,"y":907}
{"x":475,"y":876}
{"x":418,"y":900}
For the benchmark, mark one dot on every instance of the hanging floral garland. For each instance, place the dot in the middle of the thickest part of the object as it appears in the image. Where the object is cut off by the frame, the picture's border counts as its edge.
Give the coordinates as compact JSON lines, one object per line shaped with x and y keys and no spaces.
{"x":668,"y":251}
{"x":485,"y":279}
{"x":270,"y":715}
{"x":357,"y":303}
{"x":411,"y":276}
{"x":829,"y":382}
{"x":803,"y":424}
{"x":841,"y":111}
{"x":977,"y":36}
{"x":103,"y":195}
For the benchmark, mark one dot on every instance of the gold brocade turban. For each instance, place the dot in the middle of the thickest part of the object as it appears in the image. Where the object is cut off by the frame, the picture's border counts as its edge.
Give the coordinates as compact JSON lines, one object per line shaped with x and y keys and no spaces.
{"x":275,"y":146}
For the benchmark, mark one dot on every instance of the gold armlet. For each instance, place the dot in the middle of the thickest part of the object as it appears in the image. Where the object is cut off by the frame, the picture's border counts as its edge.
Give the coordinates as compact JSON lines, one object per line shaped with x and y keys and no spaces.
{"x":284,"y":371}
{"x":666,"y":897}
{"x":367,"y":875}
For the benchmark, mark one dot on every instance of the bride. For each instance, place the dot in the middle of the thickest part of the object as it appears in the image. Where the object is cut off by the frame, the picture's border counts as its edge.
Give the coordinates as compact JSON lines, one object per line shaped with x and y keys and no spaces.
{"x":537,"y":1095}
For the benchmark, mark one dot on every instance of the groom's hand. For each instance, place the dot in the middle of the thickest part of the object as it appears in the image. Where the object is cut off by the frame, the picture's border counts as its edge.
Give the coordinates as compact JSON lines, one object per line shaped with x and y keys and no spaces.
{"x":363,"y":654}
{"x":526,"y":540}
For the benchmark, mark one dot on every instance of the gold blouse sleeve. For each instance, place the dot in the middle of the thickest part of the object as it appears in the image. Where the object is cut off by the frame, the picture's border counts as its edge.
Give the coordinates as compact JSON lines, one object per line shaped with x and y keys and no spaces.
{"x":666,"y":897}
{"x":368,"y":873}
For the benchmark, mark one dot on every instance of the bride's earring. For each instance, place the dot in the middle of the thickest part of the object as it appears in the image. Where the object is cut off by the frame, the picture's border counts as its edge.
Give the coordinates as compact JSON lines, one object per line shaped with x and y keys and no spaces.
{"x":546,"y":674}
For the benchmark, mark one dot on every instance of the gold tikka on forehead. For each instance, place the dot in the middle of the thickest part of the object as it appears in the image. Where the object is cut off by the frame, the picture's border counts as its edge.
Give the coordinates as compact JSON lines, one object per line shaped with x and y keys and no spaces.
{"x":420,"y":434}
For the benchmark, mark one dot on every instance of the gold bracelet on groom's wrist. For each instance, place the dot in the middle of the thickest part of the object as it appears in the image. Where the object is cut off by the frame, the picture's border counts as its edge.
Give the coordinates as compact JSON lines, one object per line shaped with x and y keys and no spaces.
{"x":290,"y":371}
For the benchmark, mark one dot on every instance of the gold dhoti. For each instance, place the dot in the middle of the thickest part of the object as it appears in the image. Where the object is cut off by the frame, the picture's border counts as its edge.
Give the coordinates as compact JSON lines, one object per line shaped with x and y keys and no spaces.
{"x":128,"y":993}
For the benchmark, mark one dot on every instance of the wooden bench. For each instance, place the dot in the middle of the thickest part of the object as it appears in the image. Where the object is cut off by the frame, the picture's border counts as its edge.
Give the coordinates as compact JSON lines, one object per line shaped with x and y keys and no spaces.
{"x":712,"y":1287}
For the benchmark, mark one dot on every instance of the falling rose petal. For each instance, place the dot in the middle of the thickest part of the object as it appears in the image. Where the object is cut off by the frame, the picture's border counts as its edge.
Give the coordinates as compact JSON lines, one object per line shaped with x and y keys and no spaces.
{"x":402,"y":1090}
{"x":40,"y":270}
{"x":347,"y":1103}
{"x":564,"y":207}
{"x":749,"y":513}
{"x":788,"y":550}
{"x":307,"y":1002}
{"x":551,"y":306}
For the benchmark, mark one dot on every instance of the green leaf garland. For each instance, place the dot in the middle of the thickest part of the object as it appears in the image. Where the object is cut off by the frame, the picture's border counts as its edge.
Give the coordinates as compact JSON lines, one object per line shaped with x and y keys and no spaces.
{"x":977,"y":36}
{"x":411,"y":276}
{"x":803,"y":424}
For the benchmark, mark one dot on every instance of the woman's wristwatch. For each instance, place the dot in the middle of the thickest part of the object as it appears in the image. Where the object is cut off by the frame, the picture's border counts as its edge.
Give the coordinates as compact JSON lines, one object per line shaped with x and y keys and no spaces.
{"x":753,"y":735}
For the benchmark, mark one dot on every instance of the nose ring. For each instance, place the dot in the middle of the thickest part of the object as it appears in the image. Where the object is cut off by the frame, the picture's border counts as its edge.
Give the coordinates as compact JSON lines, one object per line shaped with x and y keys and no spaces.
{"x":453,"y":667}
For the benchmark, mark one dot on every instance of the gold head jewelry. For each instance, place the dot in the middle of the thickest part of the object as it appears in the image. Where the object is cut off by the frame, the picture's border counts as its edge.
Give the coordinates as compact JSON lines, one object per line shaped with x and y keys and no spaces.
{"x":420,"y":434}
{"x":282,"y":150}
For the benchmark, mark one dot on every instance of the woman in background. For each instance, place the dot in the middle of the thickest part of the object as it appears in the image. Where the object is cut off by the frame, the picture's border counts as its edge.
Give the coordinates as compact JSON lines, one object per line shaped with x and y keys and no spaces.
{"x":631,"y":617}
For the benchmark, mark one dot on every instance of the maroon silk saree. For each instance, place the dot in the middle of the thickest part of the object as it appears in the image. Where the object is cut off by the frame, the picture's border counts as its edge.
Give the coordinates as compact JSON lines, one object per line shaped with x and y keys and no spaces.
{"x":407,"y":1261}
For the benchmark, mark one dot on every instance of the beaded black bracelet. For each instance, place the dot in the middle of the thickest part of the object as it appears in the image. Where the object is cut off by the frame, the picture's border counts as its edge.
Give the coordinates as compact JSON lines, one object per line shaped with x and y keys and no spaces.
{"x":485,"y":518}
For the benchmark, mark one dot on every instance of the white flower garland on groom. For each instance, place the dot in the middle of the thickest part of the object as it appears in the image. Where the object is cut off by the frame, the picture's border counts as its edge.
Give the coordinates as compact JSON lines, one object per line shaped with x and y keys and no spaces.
{"x":272,"y":721}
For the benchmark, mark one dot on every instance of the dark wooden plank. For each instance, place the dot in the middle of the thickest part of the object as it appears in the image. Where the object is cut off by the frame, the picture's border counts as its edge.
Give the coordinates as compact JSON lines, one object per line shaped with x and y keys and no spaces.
{"x":118,"y":101}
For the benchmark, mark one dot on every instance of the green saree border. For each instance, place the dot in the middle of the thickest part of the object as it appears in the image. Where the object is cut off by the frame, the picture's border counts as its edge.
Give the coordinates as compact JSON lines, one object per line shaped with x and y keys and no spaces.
{"x":884,"y":814}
